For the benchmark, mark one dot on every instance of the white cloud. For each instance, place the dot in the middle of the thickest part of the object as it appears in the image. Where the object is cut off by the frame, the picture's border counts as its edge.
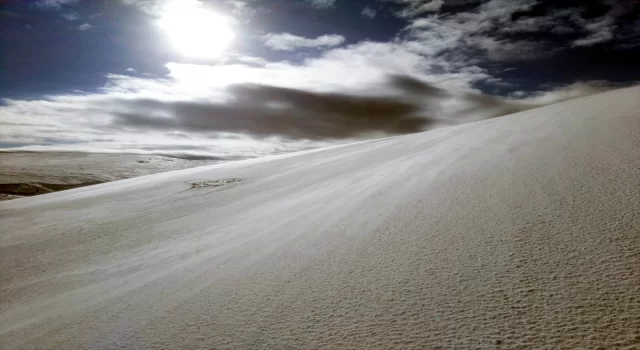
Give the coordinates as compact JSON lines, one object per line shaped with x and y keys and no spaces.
{"x":415,"y":8}
{"x":505,"y":50}
{"x":239,"y":7}
{"x":491,"y":32}
{"x":290,"y":42}
{"x":252,"y":60}
{"x":432,"y":6}
{"x":322,"y":4}
{"x":131,"y":70}
{"x":84,"y":27}
{"x":70,"y":16}
{"x":595,"y":38}
{"x":368,"y":12}
{"x":493,"y":21}
{"x":466,"y":38}
{"x":149,"y":6}
{"x":599,"y":32}
{"x":568,"y":21}
{"x":56,"y":4}
{"x":155,"y":7}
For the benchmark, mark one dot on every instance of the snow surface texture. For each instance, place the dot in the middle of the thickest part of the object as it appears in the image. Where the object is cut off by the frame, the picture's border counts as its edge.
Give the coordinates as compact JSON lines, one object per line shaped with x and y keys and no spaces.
{"x":516,"y":232}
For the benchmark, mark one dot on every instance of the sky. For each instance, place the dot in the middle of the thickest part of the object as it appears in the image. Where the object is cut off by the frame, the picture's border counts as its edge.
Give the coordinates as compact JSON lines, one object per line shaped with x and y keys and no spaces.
{"x":232,"y":79}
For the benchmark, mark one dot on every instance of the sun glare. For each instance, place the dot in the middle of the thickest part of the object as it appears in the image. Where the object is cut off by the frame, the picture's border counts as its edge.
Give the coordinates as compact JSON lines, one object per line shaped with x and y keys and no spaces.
{"x":196,"y":31}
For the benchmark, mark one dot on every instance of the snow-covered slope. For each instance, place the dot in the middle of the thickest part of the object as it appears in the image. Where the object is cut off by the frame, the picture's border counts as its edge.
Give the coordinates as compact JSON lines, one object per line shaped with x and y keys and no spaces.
{"x":521,"y":231}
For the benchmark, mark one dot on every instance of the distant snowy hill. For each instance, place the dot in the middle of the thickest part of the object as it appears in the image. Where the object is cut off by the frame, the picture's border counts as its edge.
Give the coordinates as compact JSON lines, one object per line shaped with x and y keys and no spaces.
{"x":32,"y":173}
{"x":516,"y":232}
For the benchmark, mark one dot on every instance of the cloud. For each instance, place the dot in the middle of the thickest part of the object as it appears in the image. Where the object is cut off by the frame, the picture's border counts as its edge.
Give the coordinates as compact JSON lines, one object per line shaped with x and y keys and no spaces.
{"x":290,"y":42}
{"x":152,"y":7}
{"x":353,"y":67}
{"x":70,"y":16}
{"x":232,"y":8}
{"x":55,"y":4}
{"x":322,"y":4}
{"x":354,"y":79}
{"x":368,"y":12}
{"x":248,"y":119}
{"x":620,"y":25}
{"x":599,"y":32}
{"x":464,"y":39}
{"x":413,"y":8}
{"x":505,"y":50}
{"x":555,"y":94}
{"x":252,"y":60}
{"x":517,"y":30}
{"x":566,"y":21}
{"x":266,"y":111}
{"x":404,"y":105}
{"x":240,"y":7}
{"x":593,"y":39}
{"x":241,"y":106}
{"x":84,"y":27}
{"x":238,"y":110}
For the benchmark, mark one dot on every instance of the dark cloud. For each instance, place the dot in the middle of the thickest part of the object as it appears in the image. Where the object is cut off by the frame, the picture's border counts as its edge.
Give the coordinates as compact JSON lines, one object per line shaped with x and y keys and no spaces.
{"x":414,"y":86}
{"x":264,"y":111}
{"x":467,"y":104}
{"x":261,"y":111}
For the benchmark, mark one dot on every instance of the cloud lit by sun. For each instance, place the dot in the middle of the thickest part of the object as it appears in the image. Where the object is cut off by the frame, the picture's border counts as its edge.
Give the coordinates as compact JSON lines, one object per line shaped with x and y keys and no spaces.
{"x":194,"y":30}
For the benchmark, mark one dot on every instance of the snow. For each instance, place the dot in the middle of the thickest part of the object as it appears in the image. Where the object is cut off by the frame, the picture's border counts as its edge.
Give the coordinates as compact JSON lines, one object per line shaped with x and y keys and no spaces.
{"x":516,"y":232}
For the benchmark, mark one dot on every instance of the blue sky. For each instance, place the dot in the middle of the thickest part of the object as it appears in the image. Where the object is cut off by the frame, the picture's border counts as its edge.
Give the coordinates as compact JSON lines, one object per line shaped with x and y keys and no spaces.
{"x":104,"y":75}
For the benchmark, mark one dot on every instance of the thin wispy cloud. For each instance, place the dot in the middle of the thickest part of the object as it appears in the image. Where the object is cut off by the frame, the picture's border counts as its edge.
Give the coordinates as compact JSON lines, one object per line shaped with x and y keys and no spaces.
{"x":322,"y":4}
{"x":84,"y":27}
{"x":54,"y":4}
{"x":413,"y":8}
{"x":368,"y":12}
{"x":290,"y":42}
{"x":70,"y":16}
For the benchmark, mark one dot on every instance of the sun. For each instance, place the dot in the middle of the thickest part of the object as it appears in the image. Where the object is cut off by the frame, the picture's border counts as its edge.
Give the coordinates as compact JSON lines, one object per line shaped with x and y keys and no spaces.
{"x":194,"y":30}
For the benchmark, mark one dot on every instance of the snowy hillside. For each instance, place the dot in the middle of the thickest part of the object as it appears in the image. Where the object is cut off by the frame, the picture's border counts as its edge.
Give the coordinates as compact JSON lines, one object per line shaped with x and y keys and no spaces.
{"x":520,"y":231}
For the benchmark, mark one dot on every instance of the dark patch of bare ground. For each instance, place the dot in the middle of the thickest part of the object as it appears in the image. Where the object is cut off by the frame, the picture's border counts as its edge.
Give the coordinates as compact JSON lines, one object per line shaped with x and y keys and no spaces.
{"x":213,"y":183}
{"x":19,"y":190}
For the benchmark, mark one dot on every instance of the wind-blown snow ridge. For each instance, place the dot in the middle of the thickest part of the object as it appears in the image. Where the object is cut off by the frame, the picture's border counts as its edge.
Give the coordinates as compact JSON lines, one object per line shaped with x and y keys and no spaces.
{"x":516,"y":232}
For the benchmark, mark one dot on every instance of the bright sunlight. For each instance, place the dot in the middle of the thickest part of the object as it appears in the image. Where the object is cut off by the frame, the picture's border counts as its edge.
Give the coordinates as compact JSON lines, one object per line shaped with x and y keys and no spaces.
{"x":196,"y":31}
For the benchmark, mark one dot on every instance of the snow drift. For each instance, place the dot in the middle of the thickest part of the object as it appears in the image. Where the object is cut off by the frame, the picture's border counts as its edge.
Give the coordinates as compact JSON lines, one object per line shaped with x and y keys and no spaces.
{"x":521,"y":231}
